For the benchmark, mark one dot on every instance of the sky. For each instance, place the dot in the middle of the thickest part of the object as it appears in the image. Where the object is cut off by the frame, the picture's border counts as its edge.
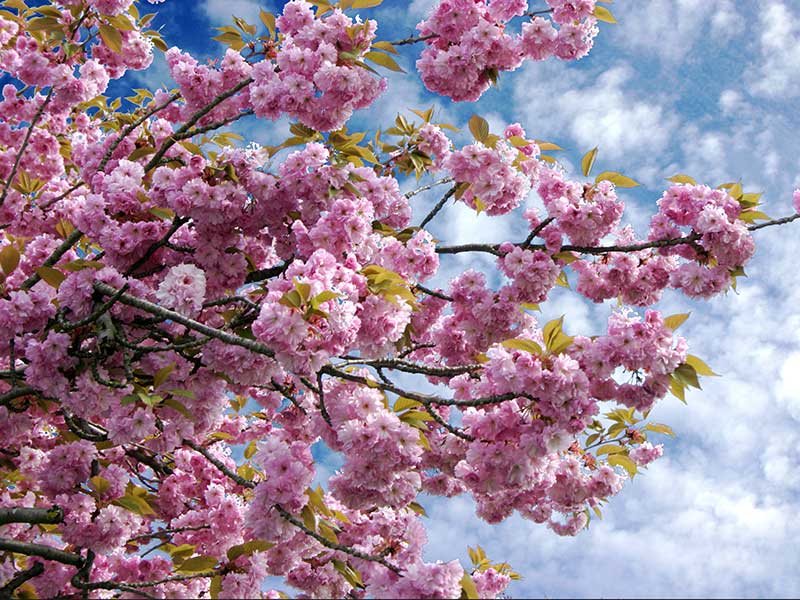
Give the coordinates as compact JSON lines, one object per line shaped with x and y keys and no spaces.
{"x":709,"y":88}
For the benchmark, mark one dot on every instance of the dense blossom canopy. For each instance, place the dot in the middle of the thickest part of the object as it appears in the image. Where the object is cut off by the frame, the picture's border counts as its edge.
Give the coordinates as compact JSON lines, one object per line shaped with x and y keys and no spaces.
{"x":184,"y":317}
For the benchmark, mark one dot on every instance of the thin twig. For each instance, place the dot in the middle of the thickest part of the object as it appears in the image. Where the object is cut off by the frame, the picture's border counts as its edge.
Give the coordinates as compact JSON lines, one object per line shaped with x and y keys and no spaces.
{"x":439,"y":205}
{"x":24,"y":145}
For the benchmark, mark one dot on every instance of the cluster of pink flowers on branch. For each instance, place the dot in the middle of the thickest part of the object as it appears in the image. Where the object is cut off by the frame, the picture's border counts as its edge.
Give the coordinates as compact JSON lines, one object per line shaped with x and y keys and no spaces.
{"x":182,"y":329}
{"x":470,"y":43}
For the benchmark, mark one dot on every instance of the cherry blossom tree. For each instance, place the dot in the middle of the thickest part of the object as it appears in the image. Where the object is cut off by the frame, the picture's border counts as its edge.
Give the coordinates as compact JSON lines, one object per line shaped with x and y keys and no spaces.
{"x":183,"y":316}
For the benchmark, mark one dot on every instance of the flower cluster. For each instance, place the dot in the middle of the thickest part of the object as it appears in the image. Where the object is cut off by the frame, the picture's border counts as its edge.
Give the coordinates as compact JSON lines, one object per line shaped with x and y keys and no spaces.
{"x":469,"y":42}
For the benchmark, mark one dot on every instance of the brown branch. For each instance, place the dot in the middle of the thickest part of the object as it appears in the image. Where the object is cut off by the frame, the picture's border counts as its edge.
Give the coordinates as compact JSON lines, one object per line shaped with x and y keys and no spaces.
{"x":24,"y":146}
{"x":262,"y":274}
{"x":217,"y":463}
{"x":333,"y":545}
{"x":433,"y":293}
{"x":72,"y":239}
{"x":424,"y":399}
{"x":7,"y":591}
{"x":130,"y":128}
{"x":177,"y":223}
{"x":173,"y":139}
{"x":780,"y":221}
{"x":536,"y":231}
{"x":17,"y":392}
{"x":42,"y":551}
{"x":439,"y":205}
{"x":50,"y":516}
{"x":425,"y":188}
{"x":166,"y":314}
{"x":416,"y":368}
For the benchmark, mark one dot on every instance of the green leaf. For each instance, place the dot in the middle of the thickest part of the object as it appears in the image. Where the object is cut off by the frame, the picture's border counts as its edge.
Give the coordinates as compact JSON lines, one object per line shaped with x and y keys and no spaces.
{"x":384,"y":60}
{"x":111,"y":37}
{"x":525,"y":345}
{"x":468,"y":586}
{"x":700,"y":367}
{"x":518,"y":142}
{"x":660,"y":428}
{"x":51,"y":276}
{"x":675,"y":321}
{"x":601,"y":13}
{"x":162,"y":374}
{"x":162,"y":213}
{"x":618,"y":179}
{"x":610,"y":449}
{"x":677,"y":388}
{"x":385,"y":46}
{"x":216,"y":587}
{"x":100,"y":484}
{"x":328,"y":533}
{"x":682,"y":179}
{"x":418,"y":508}
{"x":403,"y":403}
{"x":686,"y":374}
{"x":9,"y":258}
{"x":179,"y":407}
{"x":587,"y":162}
{"x":268,"y":20}
{"x":197,"y":564}
{"x":620,"y":460}
{"x":366,"y":3}
{"x":135,"y":504}
{"x":750,"y":216}
{"x":248,"y":548}
{"x":479,"y":127}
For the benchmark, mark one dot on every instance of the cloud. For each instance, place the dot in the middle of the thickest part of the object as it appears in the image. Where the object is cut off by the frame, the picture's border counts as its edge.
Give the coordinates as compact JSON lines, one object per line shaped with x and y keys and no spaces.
{"x":670,"y":29}
{"x":220,"y":12}
{"x":606,"y":111}
{"x":775,"y":76}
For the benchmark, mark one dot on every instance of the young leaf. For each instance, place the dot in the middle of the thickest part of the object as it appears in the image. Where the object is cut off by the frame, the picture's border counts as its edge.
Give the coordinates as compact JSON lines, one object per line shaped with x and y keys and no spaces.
{"x":197,"y":564}
{"x":682,"y":179}
{"x":587,"y":162}
{"x":620,"y":460}
{"x":384,"y":60}
{"x":479,"y":127}
{"x":111,"y":37}
{"x":601,"y":13}
{"x":618,"y":179}
{"x":699,"y":366}
{"x":9,"y":258}
{"x":675,"y":321}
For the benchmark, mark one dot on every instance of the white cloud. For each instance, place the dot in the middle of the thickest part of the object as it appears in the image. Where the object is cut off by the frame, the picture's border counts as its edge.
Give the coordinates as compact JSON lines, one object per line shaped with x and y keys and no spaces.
{"x":775,"y":76}
{"x":669,"y":29}
{"x":220,"y":12}
{"x":604,"y":112}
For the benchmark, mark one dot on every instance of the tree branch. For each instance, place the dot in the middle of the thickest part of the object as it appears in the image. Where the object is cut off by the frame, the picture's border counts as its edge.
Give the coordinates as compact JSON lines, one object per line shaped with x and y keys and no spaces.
{"x":166,"y":314}
{"x":42,"y":551}
{"x":439,"y":205}
{"x":50,"y":516}
{"x":7,"y":591}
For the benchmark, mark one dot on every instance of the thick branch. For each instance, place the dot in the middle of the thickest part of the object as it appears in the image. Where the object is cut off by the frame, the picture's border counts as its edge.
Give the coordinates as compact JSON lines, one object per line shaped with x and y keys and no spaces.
{"x":164,"y":313}
{"x":42,"y":551}
{"x":50,"y":516}
{"x":425,"y":399}
{"x":20,"y":578}
{"x":72,"y":239}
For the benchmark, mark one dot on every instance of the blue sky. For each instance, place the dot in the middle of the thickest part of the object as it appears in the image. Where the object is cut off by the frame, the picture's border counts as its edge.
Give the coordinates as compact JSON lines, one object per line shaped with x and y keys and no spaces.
{"x":704,"y":87}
